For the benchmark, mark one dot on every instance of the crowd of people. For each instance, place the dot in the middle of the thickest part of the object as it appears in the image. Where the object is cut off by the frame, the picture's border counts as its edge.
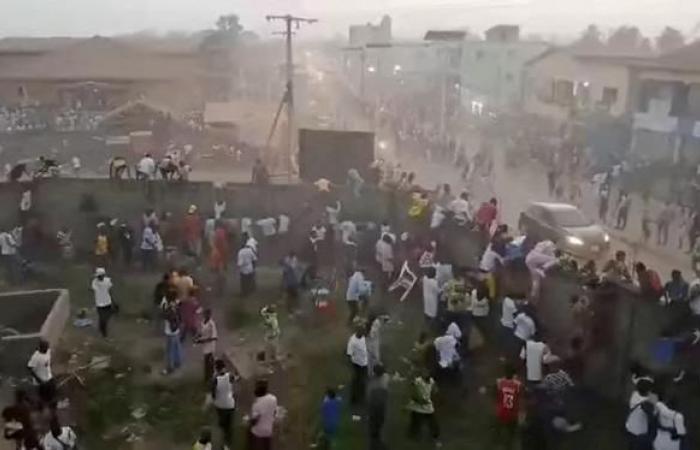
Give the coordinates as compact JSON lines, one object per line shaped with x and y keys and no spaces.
{"x":466,"y":306}
{"x":33,"y":119}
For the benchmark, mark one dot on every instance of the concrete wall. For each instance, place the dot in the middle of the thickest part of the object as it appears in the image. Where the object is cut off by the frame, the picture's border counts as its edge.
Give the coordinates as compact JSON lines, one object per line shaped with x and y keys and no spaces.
{"x":57,"y":202}
{"x":33,"y":315}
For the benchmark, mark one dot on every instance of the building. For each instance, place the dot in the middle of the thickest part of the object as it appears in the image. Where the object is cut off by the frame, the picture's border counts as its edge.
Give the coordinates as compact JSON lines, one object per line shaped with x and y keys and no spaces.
{"x":364,"y":35}
{"x":666,"y":110}
{"x":492,"y":68}
{"x":97,"y":73}
{"x":563,"y":83}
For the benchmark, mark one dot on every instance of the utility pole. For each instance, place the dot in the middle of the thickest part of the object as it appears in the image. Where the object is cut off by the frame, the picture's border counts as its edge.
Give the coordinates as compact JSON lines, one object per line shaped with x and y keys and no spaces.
{"x":290,"y":20}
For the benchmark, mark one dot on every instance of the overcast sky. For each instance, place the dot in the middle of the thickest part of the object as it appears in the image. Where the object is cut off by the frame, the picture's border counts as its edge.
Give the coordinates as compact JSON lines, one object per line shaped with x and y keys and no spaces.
{"x":411,"y":17}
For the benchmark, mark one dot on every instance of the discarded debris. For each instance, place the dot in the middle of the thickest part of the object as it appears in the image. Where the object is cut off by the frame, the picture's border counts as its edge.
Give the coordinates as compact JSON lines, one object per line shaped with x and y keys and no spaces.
{"x":139,"y":412}
{"x":100,"y":363}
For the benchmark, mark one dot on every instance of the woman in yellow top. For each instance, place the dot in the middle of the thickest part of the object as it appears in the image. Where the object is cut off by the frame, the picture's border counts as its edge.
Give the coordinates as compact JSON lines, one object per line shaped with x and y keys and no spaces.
{"x":101,"y":246}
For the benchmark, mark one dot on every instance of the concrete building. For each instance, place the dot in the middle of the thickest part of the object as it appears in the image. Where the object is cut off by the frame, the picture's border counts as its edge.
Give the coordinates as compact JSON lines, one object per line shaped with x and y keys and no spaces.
{"x":666,"y":111}
{"x":99,"y":73}
{"x":492,"y":68}
{"x":368,"y":34}
{"x":564,"y":83}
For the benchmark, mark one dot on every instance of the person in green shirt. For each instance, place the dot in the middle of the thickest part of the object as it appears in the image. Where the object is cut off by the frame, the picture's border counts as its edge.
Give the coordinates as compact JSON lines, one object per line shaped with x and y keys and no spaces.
{"x":422,"y":409}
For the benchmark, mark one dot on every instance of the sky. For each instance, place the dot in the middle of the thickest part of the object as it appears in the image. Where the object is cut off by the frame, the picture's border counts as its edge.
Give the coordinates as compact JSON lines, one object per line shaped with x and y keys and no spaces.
{"x":410,"y":17}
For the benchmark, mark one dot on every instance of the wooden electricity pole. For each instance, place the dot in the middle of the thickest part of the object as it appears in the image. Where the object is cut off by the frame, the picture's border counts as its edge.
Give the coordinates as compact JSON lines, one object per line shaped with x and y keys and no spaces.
{"x":288,"y":97}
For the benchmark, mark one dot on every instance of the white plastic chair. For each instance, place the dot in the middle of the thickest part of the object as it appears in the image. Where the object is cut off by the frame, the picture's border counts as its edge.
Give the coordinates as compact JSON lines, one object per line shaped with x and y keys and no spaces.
{"x":406,"y":280}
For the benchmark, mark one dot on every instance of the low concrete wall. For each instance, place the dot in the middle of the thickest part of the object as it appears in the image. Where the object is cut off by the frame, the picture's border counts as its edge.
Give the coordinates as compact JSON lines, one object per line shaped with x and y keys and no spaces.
{"x":57,"y":202}
{"x":29,"y":316}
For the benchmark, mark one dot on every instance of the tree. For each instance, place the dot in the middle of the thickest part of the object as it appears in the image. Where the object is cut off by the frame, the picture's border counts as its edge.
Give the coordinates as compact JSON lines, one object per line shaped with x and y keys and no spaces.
{"x":669,"y":39}
{"x":229,"y":23}
{"x":591,"y":38}
{"x":626,"y":39}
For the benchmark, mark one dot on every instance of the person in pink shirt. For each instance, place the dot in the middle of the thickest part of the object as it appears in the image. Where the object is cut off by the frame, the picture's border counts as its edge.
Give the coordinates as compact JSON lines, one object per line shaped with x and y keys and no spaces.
{"x":262,"y":418}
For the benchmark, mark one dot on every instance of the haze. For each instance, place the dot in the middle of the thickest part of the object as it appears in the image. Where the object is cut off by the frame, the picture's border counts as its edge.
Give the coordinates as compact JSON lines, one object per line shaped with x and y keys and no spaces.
{"x":548,"y":17}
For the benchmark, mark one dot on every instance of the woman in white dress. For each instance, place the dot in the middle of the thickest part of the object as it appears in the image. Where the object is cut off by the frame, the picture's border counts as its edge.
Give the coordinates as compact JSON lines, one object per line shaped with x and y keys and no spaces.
{"x":671,"y":426}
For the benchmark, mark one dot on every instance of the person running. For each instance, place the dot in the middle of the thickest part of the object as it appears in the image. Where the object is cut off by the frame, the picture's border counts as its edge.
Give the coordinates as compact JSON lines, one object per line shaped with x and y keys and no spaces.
{"x":671,"y":432}
{"x":207,"y":338}
{"x":39,"y":366}
{"x":508,"y":393}
{"x":640,"y":416}
{"x":222,"y":388}
{"x":262,"y":417}
{"x":330,"y":418}
{"x":359,"y":359}
{"x":102,"y":287}
{"x":422,"y":409}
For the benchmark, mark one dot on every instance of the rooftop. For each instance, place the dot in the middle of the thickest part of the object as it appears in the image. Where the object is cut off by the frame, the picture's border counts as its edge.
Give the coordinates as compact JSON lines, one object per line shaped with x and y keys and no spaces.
{"x":97,"y":59}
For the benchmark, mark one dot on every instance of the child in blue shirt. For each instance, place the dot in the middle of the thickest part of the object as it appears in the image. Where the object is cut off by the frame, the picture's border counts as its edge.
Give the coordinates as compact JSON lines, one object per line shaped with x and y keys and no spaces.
{"x":330,"y":418}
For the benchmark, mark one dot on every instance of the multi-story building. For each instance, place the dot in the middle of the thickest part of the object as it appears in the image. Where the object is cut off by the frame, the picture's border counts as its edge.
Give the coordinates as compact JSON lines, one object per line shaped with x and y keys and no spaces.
{"x":492,"y":68}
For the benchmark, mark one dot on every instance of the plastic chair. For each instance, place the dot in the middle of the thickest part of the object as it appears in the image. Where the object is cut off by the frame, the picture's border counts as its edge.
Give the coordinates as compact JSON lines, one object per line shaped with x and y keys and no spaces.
{"x":406,"y":280}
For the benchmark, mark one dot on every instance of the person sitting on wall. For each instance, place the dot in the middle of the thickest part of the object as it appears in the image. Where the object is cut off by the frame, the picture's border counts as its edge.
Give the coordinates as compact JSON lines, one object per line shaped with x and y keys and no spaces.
{"x":167,"y":167}
{"x":118,"y":167}
{"x":47,"y":167}
{"x":17,"y":171}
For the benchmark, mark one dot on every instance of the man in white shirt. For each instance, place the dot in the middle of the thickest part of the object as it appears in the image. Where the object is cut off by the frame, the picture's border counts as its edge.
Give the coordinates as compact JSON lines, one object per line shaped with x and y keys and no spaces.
{"x":146,"y":168}
{"x":246,"y":265}
{"x":208,"y":335}
{"x":461,"y":208}
{"x":262,"y":417}
{"x":149,"y":247}
{"x":490,"y":260}
{"x":8,"y":251}
{"x":39,"y":366}
{"x":359,"y":358}
{"x":446,"y":348}
{"x":536,"y":353}
{"x":525,"y":327}
{"x":641,"y":409}
{"x":101,"y":287}
{"x":431,"y":293}
{"x":224,"y":402}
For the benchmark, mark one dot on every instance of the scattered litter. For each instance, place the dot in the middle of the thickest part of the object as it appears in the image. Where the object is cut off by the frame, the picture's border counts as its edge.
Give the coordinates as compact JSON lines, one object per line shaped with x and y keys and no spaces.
{"x":341,"y":386}
{"x":119,"y":376}
{"x":314,"y":445}
{"x":406,"y":361}
{"x":397,"y":377}
{"x":100,"y":362}
{"x":356,"y":418}
{"x":139,"y":413}
{"x":245,"y":418}
{"x":141,"y":320}
{"x":482,"y":390}
{"x":63,"y":404}
{"x":84,"y":322}
{"x":133,"y":438}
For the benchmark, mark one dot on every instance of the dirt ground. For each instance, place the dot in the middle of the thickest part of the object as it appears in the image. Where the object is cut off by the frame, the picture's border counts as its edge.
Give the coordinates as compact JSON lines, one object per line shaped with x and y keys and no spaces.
{"x":129,"y":404}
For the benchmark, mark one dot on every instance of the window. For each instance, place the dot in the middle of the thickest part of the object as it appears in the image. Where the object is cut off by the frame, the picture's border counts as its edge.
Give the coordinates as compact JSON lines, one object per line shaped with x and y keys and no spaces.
{"x":609,"y":97}
{"x":564,"y":92}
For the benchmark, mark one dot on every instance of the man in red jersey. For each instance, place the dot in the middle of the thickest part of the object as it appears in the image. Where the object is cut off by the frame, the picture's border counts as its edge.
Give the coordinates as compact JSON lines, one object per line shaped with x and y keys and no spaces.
{"x":508,"y":392}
